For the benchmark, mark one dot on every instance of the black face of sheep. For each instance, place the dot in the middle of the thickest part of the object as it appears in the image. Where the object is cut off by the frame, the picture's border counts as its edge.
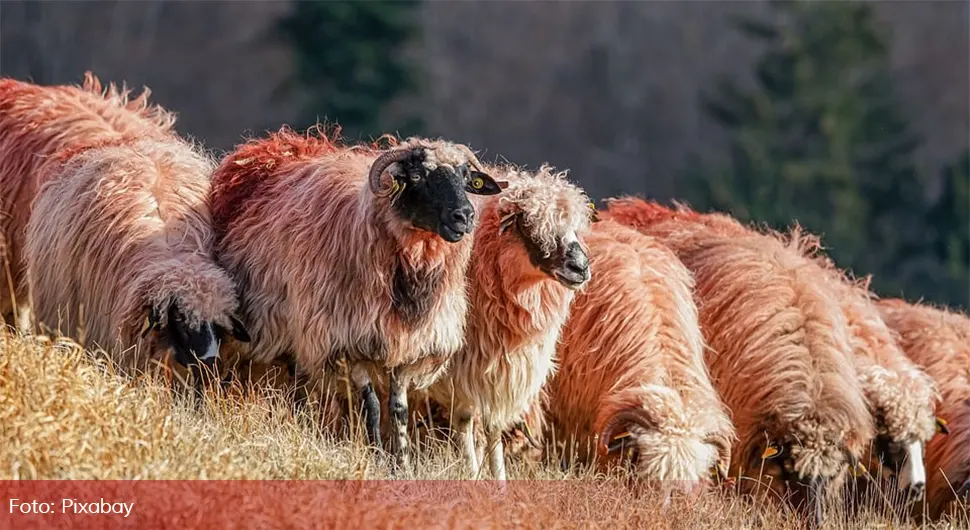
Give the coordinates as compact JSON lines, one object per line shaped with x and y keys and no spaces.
{"x":192,"y":345}
{"x":902,"y":464}
{"x":434,"y":200}
{"x":568,"y":264}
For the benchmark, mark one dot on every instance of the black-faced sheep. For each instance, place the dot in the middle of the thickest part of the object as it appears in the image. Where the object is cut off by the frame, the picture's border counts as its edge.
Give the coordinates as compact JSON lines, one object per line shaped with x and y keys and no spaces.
{"x":336,"y":261}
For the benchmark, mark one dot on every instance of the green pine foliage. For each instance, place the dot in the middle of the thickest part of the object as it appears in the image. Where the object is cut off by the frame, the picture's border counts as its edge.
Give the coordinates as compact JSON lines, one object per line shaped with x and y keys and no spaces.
{"x":350,"y":60}
{"x":819,"y":139}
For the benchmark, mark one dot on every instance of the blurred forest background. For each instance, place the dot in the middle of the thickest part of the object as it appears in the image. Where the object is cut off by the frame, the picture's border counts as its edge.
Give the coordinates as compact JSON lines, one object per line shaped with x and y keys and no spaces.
{"x":851,"y":118}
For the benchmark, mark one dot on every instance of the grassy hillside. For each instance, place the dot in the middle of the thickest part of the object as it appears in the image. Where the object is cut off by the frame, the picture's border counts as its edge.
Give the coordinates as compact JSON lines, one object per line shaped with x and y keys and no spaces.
{"x":66,"y":415}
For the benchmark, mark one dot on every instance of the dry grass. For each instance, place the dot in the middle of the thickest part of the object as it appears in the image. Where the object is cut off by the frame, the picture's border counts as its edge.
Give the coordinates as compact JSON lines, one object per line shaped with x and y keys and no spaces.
{"x":66,"y":415}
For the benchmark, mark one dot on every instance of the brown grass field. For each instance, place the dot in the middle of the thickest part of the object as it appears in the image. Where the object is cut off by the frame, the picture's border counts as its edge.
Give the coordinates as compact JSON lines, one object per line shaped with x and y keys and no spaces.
{"x":65,"y":414}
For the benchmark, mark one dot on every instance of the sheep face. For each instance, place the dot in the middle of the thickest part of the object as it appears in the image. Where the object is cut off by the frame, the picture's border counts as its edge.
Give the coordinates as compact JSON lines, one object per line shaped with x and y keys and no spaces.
{"x":191,"y":342}
{"x":547,"y":214}
{"x":773,"y":467}
{"x":431,"y":195}
{"x":568,"y":263}
{"x":900,"y":461}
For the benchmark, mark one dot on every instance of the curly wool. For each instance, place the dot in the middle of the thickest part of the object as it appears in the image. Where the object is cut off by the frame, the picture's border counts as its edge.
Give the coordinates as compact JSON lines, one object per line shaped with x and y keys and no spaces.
{"x":548,"y":210}
{"x":647,"y":358}
{"x":42,"y":126}
{"x":938,"y":341}
{"x":132,"y":221}
{"x":779,"y":346}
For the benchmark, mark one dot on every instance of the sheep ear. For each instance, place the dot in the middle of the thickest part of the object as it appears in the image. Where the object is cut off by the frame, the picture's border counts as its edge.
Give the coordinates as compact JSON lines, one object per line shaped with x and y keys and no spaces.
{"x":482,"y":184}
{"x":151,"y":321}
{"x":239,"y":330}
{"x":941,"y":426}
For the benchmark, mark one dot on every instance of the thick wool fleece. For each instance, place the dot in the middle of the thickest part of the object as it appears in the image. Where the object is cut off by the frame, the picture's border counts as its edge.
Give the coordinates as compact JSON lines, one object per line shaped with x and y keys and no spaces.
{"x":320,"y":288}
{"x":938,"y":341}
{"x":779,"y":351}
{"x":39,"y":126}
{"x":901,"y":397}
{"x":632,"y":346}
{"x":121,"y":227}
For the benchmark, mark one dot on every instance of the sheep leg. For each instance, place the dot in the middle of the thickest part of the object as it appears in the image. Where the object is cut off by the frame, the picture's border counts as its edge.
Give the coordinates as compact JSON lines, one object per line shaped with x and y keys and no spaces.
{"x":496,"y":452}
{"x":398,"y":408}
{"x":372,"y":406}
{"x":465,"y":427}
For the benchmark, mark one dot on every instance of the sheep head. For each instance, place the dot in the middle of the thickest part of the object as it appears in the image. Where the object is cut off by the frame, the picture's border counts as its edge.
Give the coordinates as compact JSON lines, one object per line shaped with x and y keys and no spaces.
{"x":429,"y":186}
{"x":191,"y":342}
{"x":548,"y":214}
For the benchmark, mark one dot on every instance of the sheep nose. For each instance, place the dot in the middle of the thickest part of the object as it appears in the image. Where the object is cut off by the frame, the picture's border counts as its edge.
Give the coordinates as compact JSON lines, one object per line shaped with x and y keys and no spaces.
{"x":463,"y":218}
{"x":577,"y":261}
{"x":916,"y":490}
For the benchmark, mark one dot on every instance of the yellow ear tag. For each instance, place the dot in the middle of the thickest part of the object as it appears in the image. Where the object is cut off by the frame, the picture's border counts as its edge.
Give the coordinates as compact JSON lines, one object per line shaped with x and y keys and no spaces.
{"x":941,"y":426}
{"x":859,"y":469}
{"x":146,"y":326}
{"x":770,"y":451}
{"x":621,"y":436}
{"x":397,"y":190}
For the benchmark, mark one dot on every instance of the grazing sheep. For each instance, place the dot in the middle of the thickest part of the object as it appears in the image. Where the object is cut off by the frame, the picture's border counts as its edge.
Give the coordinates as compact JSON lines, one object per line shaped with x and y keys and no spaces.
{"x":119,"y":253}
{"x":779,"y":352}
{"x":631,"y":366}
{"x":938,"y":341}
{"x":335,"y":261}
{"x":901,"y":397}
{"x":106,"y":208}
{"x":526,"y":263}
{"x":37,"y":122}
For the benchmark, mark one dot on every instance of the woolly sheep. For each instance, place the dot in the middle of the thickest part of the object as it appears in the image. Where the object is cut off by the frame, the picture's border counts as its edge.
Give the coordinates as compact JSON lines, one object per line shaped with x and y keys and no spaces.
{"x":336,"y":262}
{"x":779,"y":351}
{"x":938,"y":341}
{"x":118,"y":234}
{"x":631,"y":370}
{"x":36,"y":122}
{"x":526,"y":263}
{"x":901,"y":397}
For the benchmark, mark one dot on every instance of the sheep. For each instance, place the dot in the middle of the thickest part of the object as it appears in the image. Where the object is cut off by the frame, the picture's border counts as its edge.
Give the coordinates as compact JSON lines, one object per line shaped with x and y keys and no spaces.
{"x":631,"y":367}
{"x":901,"y":397}
{"x":131,"y":221}
{"x":527,"y":262}
{"x":37,"y":122}
{"x":779,"y":352}
{"x":337,"y":263}
{"x":938,"y":341}
{"x":100,"y":182}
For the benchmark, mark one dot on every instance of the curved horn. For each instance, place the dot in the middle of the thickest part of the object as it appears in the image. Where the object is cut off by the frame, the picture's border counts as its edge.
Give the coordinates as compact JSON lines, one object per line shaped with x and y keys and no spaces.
{"x":472,"y":159}
{"x":379,"y":165}
{"x":636,"y":416}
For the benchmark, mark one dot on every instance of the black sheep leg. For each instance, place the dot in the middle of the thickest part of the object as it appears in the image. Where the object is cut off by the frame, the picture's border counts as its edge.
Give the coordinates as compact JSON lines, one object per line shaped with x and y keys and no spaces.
{"x":371,"y":405}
